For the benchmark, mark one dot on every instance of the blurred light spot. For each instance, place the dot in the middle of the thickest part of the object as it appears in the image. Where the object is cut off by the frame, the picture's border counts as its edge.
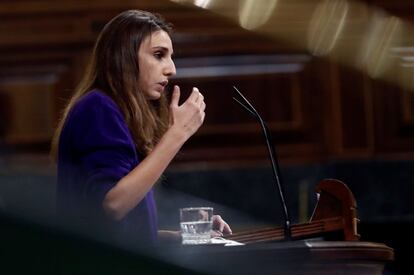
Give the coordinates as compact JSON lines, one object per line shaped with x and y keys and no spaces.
{"x":404,"y":71}
{"x":326,"y":25}
{"x":384,"y":34}
{"x":202,"y":3}
{"x":405,"y":55}
{"x":183,"y":1}
{"x":402,"y":50}
{"x":253,"y":14}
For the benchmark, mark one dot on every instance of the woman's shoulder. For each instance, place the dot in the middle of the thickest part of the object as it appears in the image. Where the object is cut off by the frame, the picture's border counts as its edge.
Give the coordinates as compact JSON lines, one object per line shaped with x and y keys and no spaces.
{"x":95,"y":104}
{"x":95,"y":108}
{"x":95,"y":113}
{"x":95,"y":100}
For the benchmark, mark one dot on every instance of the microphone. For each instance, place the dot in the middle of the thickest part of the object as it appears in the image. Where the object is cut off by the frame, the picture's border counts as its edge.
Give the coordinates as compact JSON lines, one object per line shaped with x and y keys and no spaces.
{"x":242,"y":101}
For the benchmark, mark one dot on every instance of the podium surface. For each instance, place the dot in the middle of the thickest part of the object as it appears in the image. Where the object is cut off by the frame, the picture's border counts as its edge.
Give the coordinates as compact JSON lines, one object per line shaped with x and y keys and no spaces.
{"x":294,"y":257}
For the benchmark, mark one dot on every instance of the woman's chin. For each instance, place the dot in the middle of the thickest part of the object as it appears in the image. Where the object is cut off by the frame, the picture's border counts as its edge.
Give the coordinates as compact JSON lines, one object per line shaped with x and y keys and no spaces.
{"x":153,"y":95}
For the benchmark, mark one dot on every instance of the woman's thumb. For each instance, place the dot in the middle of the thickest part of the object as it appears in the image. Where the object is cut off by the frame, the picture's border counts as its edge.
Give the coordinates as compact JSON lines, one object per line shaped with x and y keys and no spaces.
{"x":175,"y":96}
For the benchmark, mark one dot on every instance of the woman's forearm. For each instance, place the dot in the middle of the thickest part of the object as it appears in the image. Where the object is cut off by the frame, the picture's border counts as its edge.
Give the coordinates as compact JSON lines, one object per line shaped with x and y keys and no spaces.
{"x":131,"y":189}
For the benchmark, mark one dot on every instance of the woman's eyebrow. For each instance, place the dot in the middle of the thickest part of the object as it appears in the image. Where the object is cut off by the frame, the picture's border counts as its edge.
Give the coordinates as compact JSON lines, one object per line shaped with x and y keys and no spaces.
{"x":162,"y":48}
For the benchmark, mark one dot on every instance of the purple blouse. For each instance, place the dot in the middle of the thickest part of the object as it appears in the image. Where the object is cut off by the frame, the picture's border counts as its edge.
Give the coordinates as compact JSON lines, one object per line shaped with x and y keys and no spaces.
{"x":95,"y":151}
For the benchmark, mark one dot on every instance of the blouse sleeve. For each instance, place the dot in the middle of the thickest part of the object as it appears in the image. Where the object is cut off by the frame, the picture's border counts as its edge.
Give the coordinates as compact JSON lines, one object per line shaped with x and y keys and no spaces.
{"x":103,"y":145}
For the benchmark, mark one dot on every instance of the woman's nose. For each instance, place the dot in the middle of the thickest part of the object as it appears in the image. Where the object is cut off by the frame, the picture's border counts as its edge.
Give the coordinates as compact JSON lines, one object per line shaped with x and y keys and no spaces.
{"x":170,"y":68}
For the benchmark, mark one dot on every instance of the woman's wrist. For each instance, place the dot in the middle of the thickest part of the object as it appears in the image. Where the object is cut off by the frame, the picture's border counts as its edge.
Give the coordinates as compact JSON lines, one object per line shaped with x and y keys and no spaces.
{"x":177,"y":135}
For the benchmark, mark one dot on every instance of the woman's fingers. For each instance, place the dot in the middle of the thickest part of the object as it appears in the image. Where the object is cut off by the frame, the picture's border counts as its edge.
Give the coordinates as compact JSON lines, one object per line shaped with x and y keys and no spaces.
{"x":220,"y":225}
{"x":203,"y":106}
{"x":194,"y":96}
{"x":216,"y":233}
{"x":189,"y":116}
{"x":226,"y":229}
{"x":200,"y":97}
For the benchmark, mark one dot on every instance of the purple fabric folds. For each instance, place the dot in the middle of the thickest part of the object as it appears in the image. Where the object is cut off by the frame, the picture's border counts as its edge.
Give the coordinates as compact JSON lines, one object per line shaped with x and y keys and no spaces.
{"x":95,"y":151}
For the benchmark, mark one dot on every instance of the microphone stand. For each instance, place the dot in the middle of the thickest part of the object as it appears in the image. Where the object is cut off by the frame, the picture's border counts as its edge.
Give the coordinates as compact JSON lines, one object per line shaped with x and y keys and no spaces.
{"x":242,"y":101}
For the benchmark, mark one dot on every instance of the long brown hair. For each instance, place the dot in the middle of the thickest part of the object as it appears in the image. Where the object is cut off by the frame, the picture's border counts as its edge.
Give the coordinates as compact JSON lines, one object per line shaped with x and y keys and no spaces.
{"x":113,"y":69}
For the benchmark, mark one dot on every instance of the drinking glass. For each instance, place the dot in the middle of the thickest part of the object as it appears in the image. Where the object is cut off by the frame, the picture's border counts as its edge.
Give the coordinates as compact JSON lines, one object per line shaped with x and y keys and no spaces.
{"x":196,"y":225}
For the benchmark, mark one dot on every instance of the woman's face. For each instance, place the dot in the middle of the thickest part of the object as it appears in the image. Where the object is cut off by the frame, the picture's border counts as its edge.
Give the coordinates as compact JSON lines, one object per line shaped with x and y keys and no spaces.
{"x":155,"y":64}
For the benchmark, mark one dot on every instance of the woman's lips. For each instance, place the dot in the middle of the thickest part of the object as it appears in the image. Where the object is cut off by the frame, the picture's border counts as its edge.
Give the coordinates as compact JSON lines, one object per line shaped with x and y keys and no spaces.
{"x":163,"y":83}
{"x":161,"y":86}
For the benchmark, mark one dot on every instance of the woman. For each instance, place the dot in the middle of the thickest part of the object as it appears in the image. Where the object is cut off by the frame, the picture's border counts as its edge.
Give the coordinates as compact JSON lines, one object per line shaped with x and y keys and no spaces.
{"x":118,"y":133}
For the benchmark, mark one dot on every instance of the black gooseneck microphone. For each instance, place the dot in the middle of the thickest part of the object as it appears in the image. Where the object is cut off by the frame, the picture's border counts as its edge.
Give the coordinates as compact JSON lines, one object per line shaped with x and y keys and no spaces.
{"x":240,"y":99}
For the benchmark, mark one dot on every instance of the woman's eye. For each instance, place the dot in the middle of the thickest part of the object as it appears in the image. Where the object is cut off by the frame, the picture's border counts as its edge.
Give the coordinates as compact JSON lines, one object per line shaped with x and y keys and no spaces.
{"x":158,"y":55}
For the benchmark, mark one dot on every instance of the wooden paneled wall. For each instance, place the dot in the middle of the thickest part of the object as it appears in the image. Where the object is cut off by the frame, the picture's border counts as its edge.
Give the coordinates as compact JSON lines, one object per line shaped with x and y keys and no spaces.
{"x":315,"y":109}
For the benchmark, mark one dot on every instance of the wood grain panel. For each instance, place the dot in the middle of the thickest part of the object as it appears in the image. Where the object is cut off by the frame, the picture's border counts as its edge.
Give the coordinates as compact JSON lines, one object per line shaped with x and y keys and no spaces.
{"x":30,"y":103}
{"x":286,"y":101}
{"x":356,"y":115}
{"x":314,"y":108}
{"x":393,"y":132}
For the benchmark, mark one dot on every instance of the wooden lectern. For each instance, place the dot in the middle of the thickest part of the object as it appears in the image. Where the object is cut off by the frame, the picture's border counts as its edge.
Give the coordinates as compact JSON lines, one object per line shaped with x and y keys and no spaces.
{"x":303,"y":257}
{"x":327,"y":244}
{"x":335,"y":213}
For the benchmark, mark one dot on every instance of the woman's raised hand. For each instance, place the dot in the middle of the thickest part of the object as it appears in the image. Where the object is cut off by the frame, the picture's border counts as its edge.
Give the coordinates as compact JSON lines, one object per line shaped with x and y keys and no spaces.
{"x":189,"y":116}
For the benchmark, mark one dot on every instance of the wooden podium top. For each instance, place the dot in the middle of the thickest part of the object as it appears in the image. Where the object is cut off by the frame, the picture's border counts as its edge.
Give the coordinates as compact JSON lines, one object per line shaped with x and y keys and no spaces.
{"x":294,"y":257}
{"x":271,"y":251}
